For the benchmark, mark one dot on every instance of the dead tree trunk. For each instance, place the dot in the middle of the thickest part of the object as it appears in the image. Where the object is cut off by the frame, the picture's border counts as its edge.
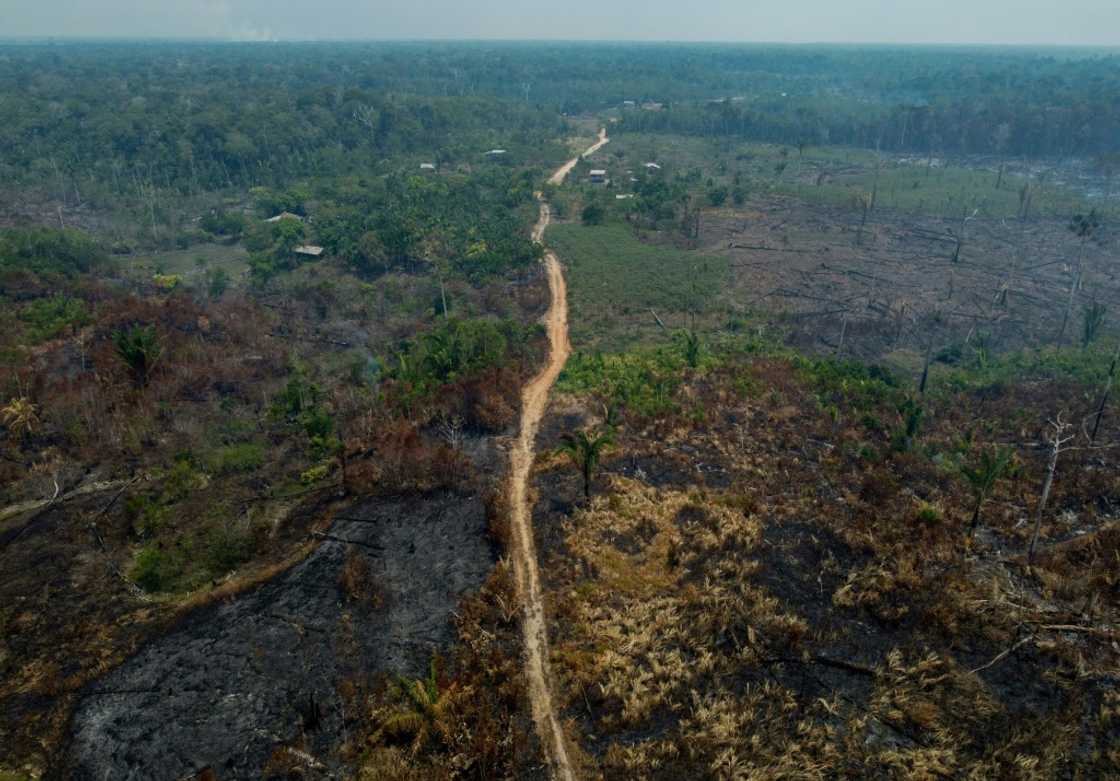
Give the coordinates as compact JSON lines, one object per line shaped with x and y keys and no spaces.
{"x":864,"y":203}
{"x":1104,"y":395}
{"x":925,"y":367}
{"x":1072,"y":298}
{"x":1057,"y":441}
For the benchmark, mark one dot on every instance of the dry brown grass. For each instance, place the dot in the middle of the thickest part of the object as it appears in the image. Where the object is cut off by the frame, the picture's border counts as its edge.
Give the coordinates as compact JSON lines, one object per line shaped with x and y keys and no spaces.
{"x":809,"y":613}
{"x":357,"y":581}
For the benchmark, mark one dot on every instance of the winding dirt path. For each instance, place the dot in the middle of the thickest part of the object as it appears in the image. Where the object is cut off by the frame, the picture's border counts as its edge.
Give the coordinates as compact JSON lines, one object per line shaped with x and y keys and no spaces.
{"x":534,"y":401}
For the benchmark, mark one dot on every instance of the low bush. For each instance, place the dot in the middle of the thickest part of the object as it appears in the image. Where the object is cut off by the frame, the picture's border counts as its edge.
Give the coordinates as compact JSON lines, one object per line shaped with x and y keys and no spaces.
{"x":153,"y":570}
{"x":49,"y":318}
{"x":240,"y":457}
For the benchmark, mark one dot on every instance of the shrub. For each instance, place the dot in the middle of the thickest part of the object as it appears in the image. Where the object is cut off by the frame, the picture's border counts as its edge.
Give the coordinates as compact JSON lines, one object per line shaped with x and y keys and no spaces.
{"x":47,"y":250}
{"x":314,"y":474}
{"x":222,"y":223}
{"x":152,"y":570}
{"x":643,"y":381}
{"x":593,"y":214}
{"x":717,"y":196}
{"x":227,"y":548}
{"x":49,"y":318}
{"x":167,"y":282}
{"x":217,"y":282}
{"x":928,"y":514}
{"x":240,"y":457}
{"x":146,"y":514}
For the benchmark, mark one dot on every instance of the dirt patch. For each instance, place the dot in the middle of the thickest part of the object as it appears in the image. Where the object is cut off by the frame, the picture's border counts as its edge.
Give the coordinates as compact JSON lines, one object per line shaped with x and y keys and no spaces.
{"x":236,"y":680}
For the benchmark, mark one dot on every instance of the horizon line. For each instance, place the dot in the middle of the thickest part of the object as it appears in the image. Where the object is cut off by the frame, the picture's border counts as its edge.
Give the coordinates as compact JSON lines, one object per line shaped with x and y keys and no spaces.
{"x":66,"y":38}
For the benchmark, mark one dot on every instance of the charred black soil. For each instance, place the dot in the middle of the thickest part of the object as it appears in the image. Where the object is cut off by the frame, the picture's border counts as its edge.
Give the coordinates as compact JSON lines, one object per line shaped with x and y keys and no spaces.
{"x":238,"y":680}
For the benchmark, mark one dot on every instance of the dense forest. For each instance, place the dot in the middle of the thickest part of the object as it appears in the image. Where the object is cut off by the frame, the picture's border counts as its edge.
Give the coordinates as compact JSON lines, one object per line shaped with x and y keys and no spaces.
{"x":94,"y":118}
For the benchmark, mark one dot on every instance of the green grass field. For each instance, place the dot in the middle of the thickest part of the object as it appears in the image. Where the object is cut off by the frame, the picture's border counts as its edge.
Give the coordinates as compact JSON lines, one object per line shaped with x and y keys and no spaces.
{"x":614,"y":280}
{"x":192,"y":263}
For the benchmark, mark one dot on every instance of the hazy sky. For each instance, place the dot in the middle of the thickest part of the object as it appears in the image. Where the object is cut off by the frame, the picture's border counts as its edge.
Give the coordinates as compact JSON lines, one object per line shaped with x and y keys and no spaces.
{"x":1095,"y":22}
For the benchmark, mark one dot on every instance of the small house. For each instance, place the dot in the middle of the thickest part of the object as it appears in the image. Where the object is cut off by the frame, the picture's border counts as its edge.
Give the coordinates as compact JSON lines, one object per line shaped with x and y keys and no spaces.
{"x":653,"y":167}
{"x":597,"y":176}
{"x":309,"y":250}
{"x":495,"y":153}
{"x":284,"y":216}
{"x":428,"y":168}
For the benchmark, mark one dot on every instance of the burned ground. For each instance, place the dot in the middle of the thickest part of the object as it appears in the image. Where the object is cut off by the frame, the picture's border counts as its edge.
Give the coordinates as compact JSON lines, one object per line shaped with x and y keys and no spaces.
{"x":900,"y":286}
{"x":819,"y":611}
{"x":236,"y":681}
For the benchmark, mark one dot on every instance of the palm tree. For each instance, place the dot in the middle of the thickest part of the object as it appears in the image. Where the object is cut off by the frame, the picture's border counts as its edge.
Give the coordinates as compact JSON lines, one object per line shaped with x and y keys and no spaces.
{"x":586,"y":450}
{"x":995,"y":464}
{"x":424,"y":714}
{"x":139,"y":349}
{"x":691,"y":346}
{"x":20,"y":417}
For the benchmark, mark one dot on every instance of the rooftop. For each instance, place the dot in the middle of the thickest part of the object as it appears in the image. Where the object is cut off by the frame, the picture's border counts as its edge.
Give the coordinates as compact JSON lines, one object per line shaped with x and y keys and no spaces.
{"x":284,"y":216}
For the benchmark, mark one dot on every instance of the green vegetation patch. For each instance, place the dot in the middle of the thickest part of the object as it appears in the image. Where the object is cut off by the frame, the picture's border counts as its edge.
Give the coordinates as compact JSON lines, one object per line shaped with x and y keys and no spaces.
{"x":49,"y":318}
{"x":642,"y":381}
{"x":973,"y":367}
{"x":612,"y":275}
{"x":47,"y":250}
{"x":455,"y":349}
{"x":240,"y":457}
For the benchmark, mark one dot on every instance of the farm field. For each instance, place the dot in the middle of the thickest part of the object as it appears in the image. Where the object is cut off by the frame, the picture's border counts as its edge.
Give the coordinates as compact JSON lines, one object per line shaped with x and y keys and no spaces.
{"x":616,"y":279}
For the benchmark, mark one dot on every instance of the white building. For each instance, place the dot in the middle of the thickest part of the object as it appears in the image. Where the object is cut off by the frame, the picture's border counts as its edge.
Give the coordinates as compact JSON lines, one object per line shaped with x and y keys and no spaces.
{"x":285,"y":216}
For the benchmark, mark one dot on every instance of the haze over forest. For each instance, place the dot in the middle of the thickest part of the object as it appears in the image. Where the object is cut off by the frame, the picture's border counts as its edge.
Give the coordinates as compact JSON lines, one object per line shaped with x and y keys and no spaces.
{"x":380,"y":407}
{"x":1036,"y":22}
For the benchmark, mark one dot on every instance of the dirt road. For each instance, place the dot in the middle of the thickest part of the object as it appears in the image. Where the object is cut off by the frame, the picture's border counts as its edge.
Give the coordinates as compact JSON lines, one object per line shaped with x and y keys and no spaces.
{"x":534,"y":401}
{"x":563,"y":171}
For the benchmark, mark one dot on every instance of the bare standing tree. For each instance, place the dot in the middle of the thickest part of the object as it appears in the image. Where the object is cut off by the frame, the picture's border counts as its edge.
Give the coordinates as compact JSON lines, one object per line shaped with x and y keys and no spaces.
{"x":862,"y":202}
{"x":1104,"y":395}
{"x":928,"y":354}
{"x":1085,"y":227}
{"x":1058,"y":440}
